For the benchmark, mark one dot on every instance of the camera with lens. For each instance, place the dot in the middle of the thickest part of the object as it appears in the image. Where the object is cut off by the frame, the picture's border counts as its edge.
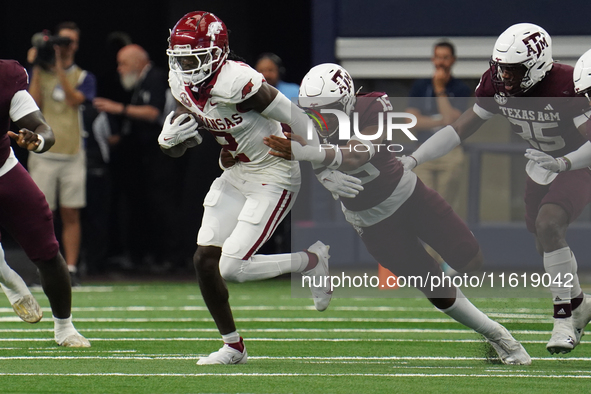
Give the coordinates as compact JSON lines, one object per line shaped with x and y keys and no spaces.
{"x":44,"y":43}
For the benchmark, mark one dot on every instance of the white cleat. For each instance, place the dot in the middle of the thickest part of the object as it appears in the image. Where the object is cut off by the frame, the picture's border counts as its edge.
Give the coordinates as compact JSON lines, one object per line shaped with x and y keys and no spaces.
{"x":226,"y":355}
{"x":581,"y":317}
{"x":563,"y":336}
{"x":322,"y":294}
{"x":509,"y":349}
{"x":28,"y":309}
{"x":74,"y":340}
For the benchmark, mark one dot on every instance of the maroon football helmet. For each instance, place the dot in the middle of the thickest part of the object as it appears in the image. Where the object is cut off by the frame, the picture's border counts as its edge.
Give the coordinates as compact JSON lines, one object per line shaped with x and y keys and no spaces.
{"x":198,"y":46}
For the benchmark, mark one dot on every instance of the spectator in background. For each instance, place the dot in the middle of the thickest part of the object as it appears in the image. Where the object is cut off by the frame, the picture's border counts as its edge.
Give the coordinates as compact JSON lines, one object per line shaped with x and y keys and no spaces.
{"x":271,"y":66}
{"x":60,"y":90}
{"x":437,"y":102}
{"x":144,"y":192}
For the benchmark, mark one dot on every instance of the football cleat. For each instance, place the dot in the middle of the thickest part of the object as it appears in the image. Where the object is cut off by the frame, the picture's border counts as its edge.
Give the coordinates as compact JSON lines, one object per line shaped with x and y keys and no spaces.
{"x":226,"y":355}
{"x":509,"y":349}
{"x":28,"y":309}
{"x":74,"y":340}
{"x":322,"y":294}
{"x":563,"y":336}
{"x":581,"y":317}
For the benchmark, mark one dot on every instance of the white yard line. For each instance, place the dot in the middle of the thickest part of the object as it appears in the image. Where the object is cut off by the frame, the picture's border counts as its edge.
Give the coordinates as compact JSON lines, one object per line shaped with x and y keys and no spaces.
{"x":14,"y":318}
{"x":503,"y":312}
{"x":283,"y":375}
{"x":288,"y":330}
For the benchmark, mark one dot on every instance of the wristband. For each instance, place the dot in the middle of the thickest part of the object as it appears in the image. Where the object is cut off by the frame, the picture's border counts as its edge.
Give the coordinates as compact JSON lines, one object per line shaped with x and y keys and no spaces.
{"x":567,"y":163}
{"x":41,"y":144}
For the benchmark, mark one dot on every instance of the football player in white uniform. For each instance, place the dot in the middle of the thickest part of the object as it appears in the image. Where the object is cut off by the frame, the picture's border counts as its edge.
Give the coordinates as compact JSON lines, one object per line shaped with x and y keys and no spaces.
{"x":247,"y":202}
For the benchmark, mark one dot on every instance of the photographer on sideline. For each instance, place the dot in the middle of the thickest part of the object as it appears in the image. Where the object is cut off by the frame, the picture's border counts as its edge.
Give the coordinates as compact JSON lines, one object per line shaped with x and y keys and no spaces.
{"x":60,"y":88}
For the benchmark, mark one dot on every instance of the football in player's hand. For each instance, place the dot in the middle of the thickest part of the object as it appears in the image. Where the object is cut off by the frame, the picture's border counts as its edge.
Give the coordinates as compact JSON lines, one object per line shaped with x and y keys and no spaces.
{"x":180,"y":111}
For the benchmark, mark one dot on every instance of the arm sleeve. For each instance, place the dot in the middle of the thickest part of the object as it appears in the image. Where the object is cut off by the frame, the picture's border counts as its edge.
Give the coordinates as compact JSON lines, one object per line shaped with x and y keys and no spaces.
{"x":284,"y":111}
{"x":579,"y":120}
{"x":580,"y":158}
{"x":440,"y":143}
{"x":22,"y":104}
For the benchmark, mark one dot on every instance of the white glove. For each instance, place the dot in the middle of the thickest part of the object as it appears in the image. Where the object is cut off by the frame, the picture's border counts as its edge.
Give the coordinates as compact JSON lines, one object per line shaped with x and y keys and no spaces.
{"x":183,"y":128}
{"x":548,"y":162}
{"x":340,"y":184}
{"x":408,"y":162}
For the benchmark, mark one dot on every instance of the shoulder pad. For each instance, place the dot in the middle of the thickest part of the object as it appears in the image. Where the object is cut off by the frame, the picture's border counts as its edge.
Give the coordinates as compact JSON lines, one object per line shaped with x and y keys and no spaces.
{"x":236,"y":82}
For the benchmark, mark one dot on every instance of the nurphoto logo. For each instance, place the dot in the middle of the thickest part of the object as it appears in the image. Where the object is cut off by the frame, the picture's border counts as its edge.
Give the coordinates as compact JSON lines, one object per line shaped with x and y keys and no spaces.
{"x":392,"y":120}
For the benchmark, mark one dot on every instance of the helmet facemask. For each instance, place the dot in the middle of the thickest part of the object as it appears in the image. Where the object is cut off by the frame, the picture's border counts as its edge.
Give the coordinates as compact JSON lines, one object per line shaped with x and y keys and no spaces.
{"x":193,"y":66}
{"x":511,"y":79}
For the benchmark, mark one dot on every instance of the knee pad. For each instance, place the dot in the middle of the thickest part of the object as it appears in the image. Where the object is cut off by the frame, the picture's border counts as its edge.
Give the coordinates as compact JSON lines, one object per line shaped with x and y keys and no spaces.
{"x":231,"y":269}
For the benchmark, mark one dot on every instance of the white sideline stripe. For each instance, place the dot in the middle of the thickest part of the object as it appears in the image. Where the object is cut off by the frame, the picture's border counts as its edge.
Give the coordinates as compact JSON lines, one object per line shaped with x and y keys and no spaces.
{"x":11,"y":319}
{"x":90,"y":289}
{"x":217,"y":339}
{"x":311,"y":359}
{"x":282,"y":330}
{"x":504,"y":312}
{"x":296,"y":358}
{"x":242,"y":374}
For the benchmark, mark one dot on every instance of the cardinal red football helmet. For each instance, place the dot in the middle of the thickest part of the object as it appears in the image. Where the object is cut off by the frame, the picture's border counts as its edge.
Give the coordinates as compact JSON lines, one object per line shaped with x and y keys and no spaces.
{"x":198,"y":46}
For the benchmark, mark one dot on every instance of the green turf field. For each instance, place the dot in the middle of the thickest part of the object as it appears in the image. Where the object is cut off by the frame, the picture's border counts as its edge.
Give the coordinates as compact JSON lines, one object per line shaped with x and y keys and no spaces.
{"x":146,"y":339}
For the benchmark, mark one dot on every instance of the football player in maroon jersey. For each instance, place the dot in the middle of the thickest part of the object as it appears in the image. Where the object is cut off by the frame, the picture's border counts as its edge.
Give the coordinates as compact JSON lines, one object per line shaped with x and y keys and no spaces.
{"x":537,"y":97}
{"x":24,"y":212}
{"x":395,"y":210}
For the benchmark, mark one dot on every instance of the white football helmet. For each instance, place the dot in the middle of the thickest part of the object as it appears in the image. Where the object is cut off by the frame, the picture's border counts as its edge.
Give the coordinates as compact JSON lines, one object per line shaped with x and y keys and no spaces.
{"x":327,"y":84}
{"x":521,"y":57}
{"x":582,"y":74}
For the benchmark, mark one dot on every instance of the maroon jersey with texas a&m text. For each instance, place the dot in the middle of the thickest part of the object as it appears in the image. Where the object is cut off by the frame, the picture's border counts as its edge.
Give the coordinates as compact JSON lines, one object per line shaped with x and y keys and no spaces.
{"x":546,"y":116}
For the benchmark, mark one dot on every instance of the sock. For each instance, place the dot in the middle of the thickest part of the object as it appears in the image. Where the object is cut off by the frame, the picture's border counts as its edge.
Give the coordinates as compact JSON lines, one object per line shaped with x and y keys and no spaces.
{"x":312,"y":261}
{"x":261,"y":266}
{"x":73,"y":269}
{"x":234,"y":340}
{"x":463,"y":311}
{"x":557,"y":264}
{"x":63,"y":328}
{"x":577,"y":301}
{"x":13,"y":285}
{"x":575,"y":290}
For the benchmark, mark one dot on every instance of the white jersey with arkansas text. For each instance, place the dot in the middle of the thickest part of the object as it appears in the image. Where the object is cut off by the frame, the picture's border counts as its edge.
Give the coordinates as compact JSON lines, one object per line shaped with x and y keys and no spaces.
{"x":241,"y":133}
